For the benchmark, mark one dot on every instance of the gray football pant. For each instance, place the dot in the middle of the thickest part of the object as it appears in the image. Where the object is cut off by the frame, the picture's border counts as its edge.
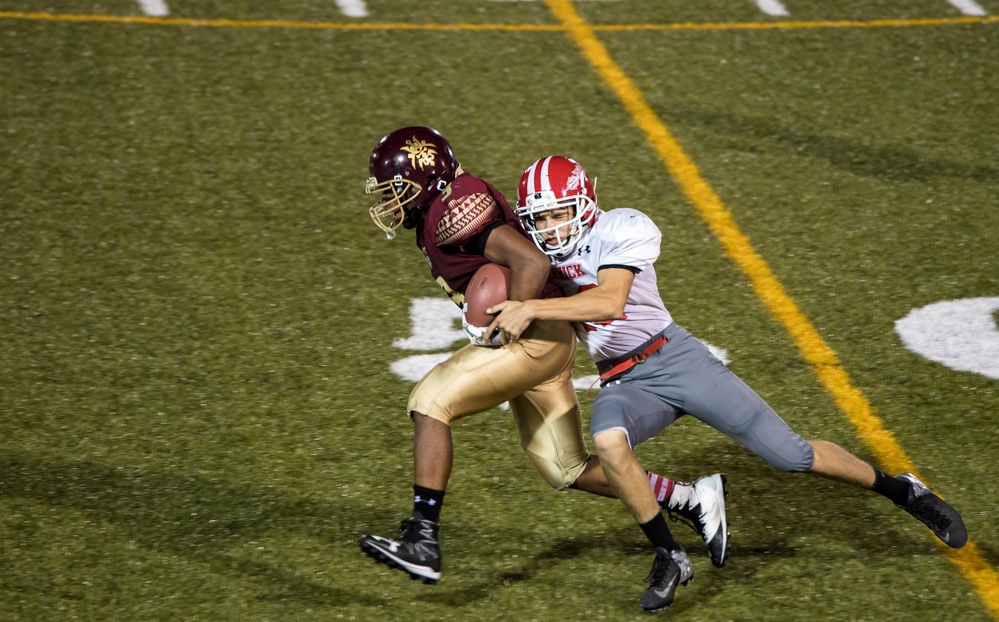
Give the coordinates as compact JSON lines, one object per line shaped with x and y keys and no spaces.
{"x":684,"y":377}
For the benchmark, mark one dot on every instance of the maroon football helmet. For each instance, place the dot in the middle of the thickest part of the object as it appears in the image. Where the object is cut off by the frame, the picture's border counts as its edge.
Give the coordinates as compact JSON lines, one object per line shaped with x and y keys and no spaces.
{"x":409,"y":168}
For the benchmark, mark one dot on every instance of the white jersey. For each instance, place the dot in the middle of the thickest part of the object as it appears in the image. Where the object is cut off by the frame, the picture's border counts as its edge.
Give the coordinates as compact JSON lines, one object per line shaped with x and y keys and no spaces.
{"x":620,"y":238}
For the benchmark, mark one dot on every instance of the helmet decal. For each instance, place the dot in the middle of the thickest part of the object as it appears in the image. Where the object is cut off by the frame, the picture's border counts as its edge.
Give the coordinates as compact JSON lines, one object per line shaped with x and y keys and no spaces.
{"x":421,"y":153}
{"x":576,"y":178}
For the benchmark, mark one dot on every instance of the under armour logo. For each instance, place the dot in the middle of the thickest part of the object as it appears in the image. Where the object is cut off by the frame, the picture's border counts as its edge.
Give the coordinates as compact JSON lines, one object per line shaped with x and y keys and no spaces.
{"x":583,"y":250}
{"x":430,"y":502}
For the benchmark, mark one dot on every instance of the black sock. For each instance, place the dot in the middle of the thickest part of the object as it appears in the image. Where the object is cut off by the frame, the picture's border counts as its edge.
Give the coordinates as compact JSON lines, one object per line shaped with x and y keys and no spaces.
{"x":897,"y":490}
{"x":658,"y":533}
{"x":427,"y":502}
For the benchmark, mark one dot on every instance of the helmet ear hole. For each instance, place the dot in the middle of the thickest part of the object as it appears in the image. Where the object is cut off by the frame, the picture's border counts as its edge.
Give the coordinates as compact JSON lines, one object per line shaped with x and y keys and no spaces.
{"x":436,"y":183}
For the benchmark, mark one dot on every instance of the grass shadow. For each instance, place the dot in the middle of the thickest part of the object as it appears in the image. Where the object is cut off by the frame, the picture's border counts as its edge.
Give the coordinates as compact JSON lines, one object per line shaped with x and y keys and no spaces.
{"x":190,"y":517}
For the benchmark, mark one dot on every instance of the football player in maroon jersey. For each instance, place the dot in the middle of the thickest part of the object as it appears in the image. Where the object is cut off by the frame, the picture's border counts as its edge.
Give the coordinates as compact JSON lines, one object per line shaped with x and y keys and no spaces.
{"x":462,"y":222}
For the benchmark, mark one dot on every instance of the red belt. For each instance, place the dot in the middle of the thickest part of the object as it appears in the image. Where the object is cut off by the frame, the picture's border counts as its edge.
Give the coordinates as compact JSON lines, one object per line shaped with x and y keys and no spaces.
{"x":620,"y":366}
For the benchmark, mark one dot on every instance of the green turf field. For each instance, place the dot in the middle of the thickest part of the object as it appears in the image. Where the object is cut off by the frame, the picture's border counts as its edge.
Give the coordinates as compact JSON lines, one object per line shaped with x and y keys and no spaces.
{"x":200,"y":405}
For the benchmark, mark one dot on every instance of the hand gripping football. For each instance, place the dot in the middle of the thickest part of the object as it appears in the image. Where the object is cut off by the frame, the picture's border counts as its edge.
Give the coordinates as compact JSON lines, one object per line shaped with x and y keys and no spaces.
{"x":489,"y":285}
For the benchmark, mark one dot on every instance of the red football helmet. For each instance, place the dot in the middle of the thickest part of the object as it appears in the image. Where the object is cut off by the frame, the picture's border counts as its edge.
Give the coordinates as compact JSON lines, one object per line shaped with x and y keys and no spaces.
{"x":551,"y":183}
{"x":409,"y":168}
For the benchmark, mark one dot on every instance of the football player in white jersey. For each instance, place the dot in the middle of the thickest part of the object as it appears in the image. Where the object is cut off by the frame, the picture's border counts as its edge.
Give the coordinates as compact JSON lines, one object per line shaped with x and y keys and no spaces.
{"x":652,"y":371}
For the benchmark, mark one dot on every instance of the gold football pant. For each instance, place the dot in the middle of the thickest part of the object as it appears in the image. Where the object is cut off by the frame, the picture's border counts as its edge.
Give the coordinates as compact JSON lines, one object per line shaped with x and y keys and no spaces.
{"x":533,"y":374}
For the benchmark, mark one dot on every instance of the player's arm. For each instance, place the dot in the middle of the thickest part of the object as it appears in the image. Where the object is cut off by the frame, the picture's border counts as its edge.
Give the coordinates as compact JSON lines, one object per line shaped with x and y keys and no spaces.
{"x":529,"y":266}
{"x":606,"y":301}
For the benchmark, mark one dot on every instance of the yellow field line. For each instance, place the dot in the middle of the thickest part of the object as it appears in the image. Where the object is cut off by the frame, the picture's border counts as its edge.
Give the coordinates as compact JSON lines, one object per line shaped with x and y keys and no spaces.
{"x":819,"y":355}
{"x":230,"y":23}
{"x":268,"y":23}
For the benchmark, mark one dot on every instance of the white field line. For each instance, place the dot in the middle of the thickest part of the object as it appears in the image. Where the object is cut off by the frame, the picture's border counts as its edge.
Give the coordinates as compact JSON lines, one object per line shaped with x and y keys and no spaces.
{"x":352,"y":8}
{"x":968,"y":7}
{"x":154,"y":8}
{"x":960,"y":334}
{"x":772,"y":7}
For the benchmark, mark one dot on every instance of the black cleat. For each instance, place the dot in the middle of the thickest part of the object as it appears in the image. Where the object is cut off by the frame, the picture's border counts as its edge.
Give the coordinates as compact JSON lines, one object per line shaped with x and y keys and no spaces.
{"x":942,"y":519}
{"x":669,"y":569}
{"x":416,"y":552}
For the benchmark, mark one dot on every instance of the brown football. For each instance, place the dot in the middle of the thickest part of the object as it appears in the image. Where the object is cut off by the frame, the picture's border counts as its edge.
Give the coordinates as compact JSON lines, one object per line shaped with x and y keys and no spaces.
{"x":489,"y":285}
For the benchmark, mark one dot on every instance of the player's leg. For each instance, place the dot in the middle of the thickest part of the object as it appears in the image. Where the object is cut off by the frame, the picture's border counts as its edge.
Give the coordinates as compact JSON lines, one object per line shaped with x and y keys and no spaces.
{"x":711,"y":392}
{"x":433,"y":457}
{"x":548,"y":418}
{"x":671,"y":565}
{"x":472,"y":380}
{"x":684,"y":374}
{"x":626,"y":476}
{"x":546,"y":412}
{"x":906,"y":491}
{"x":833,"y":462}
{"x":628,"y":407}
{"x":417,"y":551}
{"x":455,"y":388}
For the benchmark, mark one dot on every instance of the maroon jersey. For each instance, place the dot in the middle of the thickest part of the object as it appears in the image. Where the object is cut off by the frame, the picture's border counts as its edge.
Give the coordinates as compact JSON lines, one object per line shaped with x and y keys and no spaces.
{"x":450,"y":235}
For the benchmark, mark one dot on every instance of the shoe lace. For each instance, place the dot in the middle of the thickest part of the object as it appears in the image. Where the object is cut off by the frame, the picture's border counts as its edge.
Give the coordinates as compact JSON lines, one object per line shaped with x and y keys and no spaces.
{"x":413,"y":526}
{"x":417,"y":530}
{"x":659,"y":567}
{"x":927,"y":512}
{"x":418,"y":536}
{"x":688,"y":510}
{"x":676,"y":517}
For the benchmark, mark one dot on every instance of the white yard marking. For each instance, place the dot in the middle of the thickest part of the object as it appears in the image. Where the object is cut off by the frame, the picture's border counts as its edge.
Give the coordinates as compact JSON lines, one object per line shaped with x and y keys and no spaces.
{"x":352,"y":8}
{"x":772,"y":7}
{"x":412,"y":368}
{"x":961,"y":334}
{"x":435,"y":325}
{"x":968,"y":7}
{"x":154,"y":8}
